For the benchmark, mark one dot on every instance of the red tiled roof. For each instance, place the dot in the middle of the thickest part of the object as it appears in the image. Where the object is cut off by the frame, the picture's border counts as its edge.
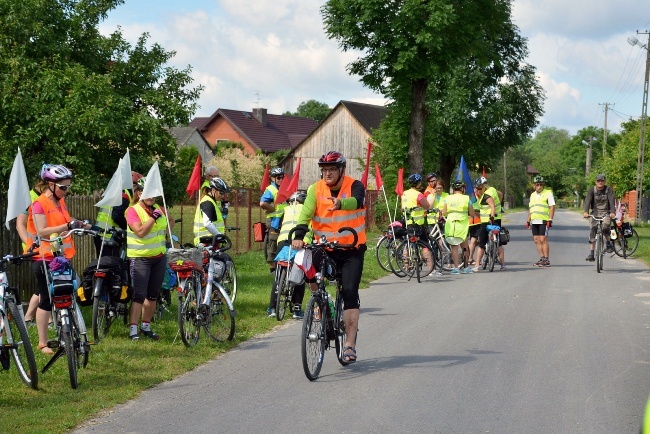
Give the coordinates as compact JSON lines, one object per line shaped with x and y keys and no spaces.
{"x":280,"y":132}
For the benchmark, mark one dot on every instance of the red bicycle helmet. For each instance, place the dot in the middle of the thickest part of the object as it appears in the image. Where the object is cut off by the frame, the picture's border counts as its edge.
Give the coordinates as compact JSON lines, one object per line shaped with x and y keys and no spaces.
{"x":332,"y":158}
{"x":135,"y":176}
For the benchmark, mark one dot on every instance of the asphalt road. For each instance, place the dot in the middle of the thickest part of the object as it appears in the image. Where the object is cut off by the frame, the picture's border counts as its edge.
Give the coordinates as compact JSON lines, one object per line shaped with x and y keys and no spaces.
{"x":527,"y":350}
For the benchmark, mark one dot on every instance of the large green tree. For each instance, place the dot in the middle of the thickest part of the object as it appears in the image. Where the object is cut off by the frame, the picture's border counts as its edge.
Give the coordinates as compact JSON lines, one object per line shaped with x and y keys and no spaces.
{"x":455,"y":72}
{"x":73,"y":96}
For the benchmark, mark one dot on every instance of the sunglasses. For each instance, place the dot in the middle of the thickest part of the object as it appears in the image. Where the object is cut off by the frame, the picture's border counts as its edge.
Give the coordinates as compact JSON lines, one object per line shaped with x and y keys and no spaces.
{"x":64,"y":187}
{"x":279,"y":177}
{"x":539,"y":183}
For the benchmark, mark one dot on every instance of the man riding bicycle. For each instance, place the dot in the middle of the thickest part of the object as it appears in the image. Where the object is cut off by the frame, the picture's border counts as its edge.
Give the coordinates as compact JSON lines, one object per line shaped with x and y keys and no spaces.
{"x":334,"y":202}
{"x":600,"y":202}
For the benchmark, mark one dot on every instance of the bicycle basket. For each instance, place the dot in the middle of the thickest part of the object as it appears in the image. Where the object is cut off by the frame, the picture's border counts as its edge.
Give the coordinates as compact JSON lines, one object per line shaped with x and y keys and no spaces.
{"x":62,"y":280}
{"x":627,"y":230}
{"x":185,"y":259}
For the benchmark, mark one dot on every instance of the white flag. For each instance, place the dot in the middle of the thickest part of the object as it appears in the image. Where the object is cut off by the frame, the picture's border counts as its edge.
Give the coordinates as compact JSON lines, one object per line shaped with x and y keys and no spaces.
{"x":153,"y":184}
{"x":18,"y":194}
{"x":113,"y":193}
{"x":127,"y":179}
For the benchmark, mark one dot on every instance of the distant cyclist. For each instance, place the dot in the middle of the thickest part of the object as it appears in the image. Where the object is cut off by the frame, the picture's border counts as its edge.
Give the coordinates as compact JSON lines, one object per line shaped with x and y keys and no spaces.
{"x":600,"y":202}
{"x":540,"y":218}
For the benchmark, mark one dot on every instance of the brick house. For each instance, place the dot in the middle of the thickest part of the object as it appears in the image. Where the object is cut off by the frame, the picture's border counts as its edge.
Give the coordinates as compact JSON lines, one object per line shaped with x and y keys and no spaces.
{"x":257,"y":131}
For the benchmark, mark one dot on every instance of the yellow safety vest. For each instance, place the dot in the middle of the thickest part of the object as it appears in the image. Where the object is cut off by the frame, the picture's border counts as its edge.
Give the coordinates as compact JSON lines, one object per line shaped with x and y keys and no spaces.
{"x":104,"y":218}
{"x":291,"y":214}
{"x":457,"y":207}
{"x":411,"y":208}
{"x":485,"y":208}
{"x":539,"y":207}
{"x":438,"y":202}
{"x":279,"y":208}
{"x":152,"y":244}
{"x":199,"y":229}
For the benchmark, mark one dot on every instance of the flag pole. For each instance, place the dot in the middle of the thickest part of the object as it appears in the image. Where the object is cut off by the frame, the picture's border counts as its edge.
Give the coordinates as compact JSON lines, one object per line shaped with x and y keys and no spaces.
{"x":392,"y":228}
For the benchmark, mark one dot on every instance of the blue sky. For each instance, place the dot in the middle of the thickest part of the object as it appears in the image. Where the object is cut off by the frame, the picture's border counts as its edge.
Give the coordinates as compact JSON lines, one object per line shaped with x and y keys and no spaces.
{"x":274,"y":54}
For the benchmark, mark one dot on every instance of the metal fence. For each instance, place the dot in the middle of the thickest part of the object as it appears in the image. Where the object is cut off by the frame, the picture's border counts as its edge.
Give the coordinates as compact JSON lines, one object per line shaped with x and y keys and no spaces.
{"x":243,"y":213}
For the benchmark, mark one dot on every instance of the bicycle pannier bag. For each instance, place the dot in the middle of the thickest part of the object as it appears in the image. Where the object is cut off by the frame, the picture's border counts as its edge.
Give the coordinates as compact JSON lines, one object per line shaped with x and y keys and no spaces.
{"x":62,"y":275}
{"x":627,"y":230}
{"x":259,"y":229}
{"x":504,"y":236}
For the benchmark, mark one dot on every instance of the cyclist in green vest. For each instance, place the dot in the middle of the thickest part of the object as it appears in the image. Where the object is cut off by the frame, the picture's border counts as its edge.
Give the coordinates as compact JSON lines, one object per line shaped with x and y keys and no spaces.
{"x":208,"y":220}
{"x":540,"y":218}
{"x":113,"y":217}
{"x":414,"y":207}
{"x":290,"y":221}
{"x":489,"y":201}
{"x":273,"y":214}
{"x":457,"y":209}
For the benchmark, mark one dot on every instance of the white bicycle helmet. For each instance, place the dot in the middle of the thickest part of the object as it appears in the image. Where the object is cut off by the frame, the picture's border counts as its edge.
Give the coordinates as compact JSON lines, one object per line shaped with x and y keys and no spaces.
{"x":55,"y":172}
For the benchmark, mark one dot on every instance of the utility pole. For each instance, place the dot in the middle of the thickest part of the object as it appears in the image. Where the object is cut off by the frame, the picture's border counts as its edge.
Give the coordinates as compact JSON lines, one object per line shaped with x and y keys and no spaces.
{"x":644,"y":116}
{"x":605,"y":130}
{"x":588,"y":163}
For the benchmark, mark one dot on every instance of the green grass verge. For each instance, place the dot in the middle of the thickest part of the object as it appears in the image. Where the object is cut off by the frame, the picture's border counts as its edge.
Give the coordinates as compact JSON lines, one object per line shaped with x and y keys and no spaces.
{"x":119,"y":369}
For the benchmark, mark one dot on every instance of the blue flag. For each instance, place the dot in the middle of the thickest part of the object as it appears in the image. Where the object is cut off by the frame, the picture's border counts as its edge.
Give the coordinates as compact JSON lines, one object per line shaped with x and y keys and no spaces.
{"x":463,"y":175}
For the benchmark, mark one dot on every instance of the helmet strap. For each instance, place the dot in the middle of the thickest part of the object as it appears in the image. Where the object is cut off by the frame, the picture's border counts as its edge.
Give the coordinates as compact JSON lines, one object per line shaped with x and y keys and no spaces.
{"x":53,"y":191}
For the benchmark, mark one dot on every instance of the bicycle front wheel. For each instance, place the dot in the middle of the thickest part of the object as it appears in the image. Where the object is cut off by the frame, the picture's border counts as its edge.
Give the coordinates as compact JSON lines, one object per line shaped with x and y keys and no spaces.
{"x":282,"y":288}
{"x":188,"y":323}
{"x":101,"y":319}
{"x":68,"y":343}
{"x":492,"y":253}
{"x":599,"y":252}
{"x":383,"y":252}
{"x":229,"y":280}
{"x":220,"y":322}
{"x":20,"y":346}
{"x":313,"y":338}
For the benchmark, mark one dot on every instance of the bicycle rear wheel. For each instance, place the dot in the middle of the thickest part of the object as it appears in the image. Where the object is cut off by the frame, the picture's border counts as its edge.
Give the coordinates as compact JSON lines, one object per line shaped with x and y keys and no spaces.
{"x":406,"y":258}
{"x":492,"y":253}
{"x":631,"y":243}
{"x":313,"y":343}
{"x":20,"y":347}
{"x":101,"y":319}
{"x":188,"y":323}
{"x":385,"y":248}
{"x":219,"y":323}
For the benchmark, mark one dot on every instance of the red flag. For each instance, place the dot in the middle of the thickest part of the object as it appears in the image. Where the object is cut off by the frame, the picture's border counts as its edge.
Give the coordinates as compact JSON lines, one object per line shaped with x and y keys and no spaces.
{"x":289,"y":186}
{"x":266,"y":180}
{"x":195,"y":180}
{"x":364,"y":178}
{"x":483,"y":174}
{"x":400,"y":182}
{"x":378,"y":180}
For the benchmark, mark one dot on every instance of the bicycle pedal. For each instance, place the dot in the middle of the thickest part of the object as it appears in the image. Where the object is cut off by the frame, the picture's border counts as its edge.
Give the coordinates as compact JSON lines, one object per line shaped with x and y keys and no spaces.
{"x":53,"y":344}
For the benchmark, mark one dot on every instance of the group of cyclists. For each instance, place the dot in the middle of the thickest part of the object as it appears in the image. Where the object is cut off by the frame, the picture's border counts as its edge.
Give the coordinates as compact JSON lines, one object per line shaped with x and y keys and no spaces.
{"x":465,"y":223}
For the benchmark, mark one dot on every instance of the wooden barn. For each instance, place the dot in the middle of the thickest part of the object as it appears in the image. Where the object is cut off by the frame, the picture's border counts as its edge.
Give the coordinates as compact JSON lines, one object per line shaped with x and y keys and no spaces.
{"x":347,"y":129}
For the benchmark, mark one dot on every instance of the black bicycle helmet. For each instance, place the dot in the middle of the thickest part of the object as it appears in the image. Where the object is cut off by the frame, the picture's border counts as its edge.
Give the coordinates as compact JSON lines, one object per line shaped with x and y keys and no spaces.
{"x":276,"y":171}
{"x":332,"y":158}
{"x":297,"y":196}
{"x":220,"y":185}
{"x":458,"y":185}
{"x":538,"y":179}
{"x":480,"y":181}
{"x":431,"y":175}
{"x":415,"y":179}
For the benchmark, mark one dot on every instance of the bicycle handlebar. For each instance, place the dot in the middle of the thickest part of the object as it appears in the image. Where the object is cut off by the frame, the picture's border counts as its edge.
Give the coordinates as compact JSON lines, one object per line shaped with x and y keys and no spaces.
{"x":18,"y":259}
{"x":323,"y":242}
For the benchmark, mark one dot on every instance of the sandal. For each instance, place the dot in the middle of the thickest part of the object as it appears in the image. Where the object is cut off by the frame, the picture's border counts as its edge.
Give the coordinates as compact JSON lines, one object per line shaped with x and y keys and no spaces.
{"x":349,"y":354}
{"x":45,"y":349}
{"x":471,"y":262}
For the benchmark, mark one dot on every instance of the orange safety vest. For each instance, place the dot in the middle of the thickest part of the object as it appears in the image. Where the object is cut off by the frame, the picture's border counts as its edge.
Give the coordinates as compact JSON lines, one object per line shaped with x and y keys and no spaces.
{"x":54,"y":216}
{"x":328,"y":223}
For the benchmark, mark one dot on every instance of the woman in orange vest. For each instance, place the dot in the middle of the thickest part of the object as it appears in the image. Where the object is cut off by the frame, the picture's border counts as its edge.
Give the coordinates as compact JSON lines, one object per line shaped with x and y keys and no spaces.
{"x":49,"y":215}
{"x":334,"y":202}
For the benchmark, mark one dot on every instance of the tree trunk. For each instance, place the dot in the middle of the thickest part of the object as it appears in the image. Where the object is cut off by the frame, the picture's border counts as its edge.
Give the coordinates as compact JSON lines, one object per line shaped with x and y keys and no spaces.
{"x":447,"y":166}
{"x":419,"y":114}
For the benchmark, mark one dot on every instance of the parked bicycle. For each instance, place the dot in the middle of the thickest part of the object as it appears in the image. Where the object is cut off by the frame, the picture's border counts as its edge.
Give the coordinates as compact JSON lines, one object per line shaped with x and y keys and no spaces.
{"x":109,"y":280}
{"x":323,"y":320}
{"x":71,"y":334}
{"x":200,"y":305}
{"x":491,"y":255}
{"x":14,"y":338}
{"x":627,"y":239}
{"x":413,"y":256}
{"x":387,"y":245}
{"x":441,"y":249}
{"x":599,"y":247}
